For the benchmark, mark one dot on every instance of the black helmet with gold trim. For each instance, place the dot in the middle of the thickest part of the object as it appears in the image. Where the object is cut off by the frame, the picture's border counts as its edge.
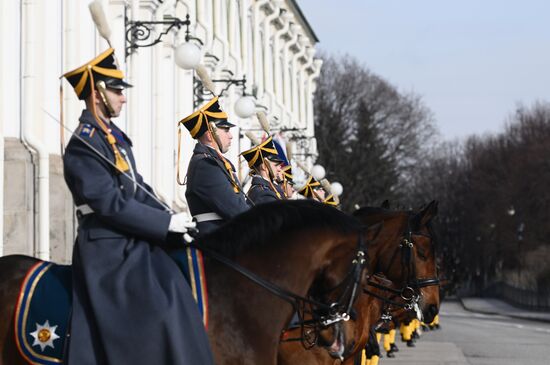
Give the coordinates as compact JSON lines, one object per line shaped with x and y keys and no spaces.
{"x":211,"y":112}
{"x":287,"y":174}
{"x":265,"y":150}
{"x":308,"y":190}
{"x":330,"y":200}
{"x":102,"y":68}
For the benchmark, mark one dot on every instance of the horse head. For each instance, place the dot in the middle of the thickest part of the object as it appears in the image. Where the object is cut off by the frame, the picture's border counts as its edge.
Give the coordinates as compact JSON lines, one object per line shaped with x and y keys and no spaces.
{"x":424,"y":262}
{"x":341,"y":284}
{"x":407,"y":255}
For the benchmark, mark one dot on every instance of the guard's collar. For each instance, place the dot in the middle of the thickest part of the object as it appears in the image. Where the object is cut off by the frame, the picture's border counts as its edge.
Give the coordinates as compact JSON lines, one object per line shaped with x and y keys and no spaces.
{"x":88,"y":118}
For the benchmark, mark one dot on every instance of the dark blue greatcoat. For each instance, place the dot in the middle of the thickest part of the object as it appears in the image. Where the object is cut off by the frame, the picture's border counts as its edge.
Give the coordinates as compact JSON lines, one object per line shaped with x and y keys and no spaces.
{"x":209,"y":189}
{"x":261,"y":191}
{"x":131,"y":304}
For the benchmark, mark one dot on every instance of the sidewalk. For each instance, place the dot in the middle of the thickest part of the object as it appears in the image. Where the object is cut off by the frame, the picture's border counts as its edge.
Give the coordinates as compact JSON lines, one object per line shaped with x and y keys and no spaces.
{"x":496,"y":306}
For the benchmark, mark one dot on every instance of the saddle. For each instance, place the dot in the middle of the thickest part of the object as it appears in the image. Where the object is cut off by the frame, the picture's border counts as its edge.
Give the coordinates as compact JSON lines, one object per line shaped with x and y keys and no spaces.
{"x":42,"y":312}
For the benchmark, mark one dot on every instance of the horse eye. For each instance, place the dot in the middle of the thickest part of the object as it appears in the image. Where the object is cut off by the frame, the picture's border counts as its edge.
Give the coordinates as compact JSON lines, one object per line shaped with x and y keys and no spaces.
{"x":421,"y":253}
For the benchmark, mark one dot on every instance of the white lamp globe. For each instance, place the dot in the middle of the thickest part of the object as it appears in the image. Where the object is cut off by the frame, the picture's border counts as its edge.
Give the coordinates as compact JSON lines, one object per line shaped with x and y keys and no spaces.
{"x":245,"y":107}
{"x":318,"y":172}
{"x":187,"y":55}
{"x":336,"y":188}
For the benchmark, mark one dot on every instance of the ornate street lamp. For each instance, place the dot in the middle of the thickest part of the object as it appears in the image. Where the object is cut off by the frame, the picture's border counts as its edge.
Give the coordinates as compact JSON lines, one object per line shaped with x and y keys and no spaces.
{"x":138,"y":34}
{"x":318,"y":172}
{"x":336,"y":188}
{"x":245,"y":106}
{"x":187,"y":55}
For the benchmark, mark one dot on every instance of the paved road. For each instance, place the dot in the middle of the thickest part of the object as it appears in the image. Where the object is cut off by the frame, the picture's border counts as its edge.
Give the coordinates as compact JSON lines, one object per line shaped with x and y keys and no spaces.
{"x":478,"y":339}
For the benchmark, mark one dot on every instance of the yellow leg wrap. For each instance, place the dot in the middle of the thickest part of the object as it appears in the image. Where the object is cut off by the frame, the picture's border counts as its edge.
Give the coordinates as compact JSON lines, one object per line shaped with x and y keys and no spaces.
{"x":405,"y":332}
{"x":387,"y":342}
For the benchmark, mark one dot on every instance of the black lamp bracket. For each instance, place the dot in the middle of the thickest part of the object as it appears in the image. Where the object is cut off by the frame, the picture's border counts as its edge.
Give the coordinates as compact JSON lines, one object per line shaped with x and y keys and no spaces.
{"x":138,"y":32}
{"x":201,"y":93}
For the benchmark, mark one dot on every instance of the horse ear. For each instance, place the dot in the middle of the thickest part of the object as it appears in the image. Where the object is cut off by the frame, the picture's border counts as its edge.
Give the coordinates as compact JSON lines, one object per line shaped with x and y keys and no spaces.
{"x":385,"y":204}
{"x":373,"y":231}
{"x":428,"y":213}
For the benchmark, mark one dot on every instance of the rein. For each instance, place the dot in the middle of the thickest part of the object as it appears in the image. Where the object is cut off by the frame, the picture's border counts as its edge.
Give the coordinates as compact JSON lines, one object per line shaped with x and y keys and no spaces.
{"x":336,"y":312}
{"x":282,"y":293}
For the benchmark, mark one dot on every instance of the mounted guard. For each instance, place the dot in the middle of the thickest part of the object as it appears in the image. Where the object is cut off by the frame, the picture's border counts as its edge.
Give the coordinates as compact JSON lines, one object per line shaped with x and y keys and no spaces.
{"x":214,"y":192}
{"x":265,"y":165}
{"x":131,"y":304}
{"x":312,"y":189}
{"x":288,"y":182}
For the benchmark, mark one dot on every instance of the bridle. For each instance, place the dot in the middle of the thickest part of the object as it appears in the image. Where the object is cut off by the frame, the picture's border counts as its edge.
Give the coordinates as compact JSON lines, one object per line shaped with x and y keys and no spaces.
{"x":323,"y":314}
{"x":410,"y":292}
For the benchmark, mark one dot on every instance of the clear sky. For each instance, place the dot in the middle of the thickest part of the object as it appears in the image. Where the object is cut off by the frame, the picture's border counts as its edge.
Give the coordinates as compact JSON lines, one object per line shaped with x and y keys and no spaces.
{"x":471,"y":60}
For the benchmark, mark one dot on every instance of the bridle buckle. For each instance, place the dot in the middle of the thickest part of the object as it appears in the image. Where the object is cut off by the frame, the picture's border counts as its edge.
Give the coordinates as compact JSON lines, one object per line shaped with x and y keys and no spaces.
{"x":407,"y":243}
{"x":334,"y":318}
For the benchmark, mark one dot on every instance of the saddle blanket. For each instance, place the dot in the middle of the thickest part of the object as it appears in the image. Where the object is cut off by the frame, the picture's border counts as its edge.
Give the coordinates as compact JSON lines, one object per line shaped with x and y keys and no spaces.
{"x":43,"y":306}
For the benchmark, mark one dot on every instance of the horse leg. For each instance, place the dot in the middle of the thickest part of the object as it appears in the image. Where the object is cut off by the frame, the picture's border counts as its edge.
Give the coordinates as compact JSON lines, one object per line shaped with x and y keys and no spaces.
{"x":12,"y":273}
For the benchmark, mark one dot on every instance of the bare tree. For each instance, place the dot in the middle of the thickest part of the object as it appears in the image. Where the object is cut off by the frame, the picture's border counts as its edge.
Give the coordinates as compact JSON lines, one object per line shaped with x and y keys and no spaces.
{"x":370,"y":136}
{"x":495,"y":202}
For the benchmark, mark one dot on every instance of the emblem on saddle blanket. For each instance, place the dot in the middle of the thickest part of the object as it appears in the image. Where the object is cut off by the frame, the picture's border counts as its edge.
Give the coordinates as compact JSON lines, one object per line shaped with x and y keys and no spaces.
{"x":42,"y":313}
{"x":45,"y":299}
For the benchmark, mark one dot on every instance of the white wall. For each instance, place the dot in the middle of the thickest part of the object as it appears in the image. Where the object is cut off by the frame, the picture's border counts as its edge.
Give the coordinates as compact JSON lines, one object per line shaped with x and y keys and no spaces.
{"x":239,"y":33}
{"x":10,"y":70}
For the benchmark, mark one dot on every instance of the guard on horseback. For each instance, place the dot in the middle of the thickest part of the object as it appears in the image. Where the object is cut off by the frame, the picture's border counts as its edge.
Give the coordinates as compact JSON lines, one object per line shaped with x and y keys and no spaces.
{"x":131,"y":304}
{"x":288,"y":182}
{"x":312,"y":190}
{"x":214,"y":192}
{"x":265,"y":166}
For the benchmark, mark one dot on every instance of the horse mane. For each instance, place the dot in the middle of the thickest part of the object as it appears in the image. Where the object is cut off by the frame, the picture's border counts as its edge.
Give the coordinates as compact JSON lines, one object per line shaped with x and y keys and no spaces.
{"x":261,"y":225}
{"x":413,"y":217}
{"x":378,"y":214}
{"x":366,"y":210}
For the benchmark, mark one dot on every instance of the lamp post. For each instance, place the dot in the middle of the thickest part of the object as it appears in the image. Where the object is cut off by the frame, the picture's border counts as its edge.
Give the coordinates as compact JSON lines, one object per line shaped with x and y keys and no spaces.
{"x":519,"y":238}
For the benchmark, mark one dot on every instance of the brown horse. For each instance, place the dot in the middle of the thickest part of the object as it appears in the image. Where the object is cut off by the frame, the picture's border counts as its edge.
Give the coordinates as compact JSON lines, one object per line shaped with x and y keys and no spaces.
{"x":404,"y":253}
{"x":245,"y":318}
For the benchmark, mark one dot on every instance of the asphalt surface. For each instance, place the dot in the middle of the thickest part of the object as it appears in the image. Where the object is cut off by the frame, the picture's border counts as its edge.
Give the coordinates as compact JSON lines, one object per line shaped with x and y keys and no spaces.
{"x":473,"y":338}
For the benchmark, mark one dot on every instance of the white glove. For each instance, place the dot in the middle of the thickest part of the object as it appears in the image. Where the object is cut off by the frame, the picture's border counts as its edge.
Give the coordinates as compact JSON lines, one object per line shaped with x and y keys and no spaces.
{"x":180,"y":222}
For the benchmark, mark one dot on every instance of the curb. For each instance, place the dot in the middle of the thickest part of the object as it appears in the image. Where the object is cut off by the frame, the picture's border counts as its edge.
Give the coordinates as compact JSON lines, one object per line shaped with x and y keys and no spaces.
{"x":510,"y":315}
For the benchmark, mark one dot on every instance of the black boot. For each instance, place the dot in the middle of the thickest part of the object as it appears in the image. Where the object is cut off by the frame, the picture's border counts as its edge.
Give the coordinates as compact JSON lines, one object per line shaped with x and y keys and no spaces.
{"x":390,"y":354}
{"x":410,"y":343}
{"x":394,"y":348}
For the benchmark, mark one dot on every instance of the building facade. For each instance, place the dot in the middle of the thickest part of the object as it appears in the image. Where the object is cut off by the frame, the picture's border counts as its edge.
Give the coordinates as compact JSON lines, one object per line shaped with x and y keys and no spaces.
{"x":268,"y":42}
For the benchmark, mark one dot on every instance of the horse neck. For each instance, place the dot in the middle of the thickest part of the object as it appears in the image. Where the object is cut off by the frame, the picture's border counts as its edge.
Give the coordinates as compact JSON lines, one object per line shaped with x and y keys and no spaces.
{"x":385,"y":256}
{"x":370,"y":309}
